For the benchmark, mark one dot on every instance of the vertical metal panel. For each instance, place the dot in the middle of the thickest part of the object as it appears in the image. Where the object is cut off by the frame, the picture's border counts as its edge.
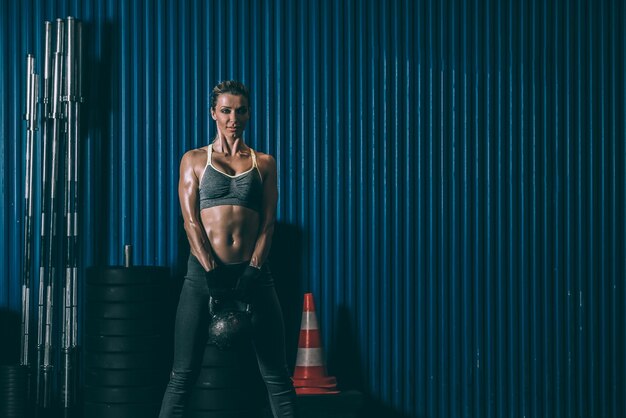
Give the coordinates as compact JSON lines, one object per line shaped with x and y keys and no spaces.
{"x":454,"y":173}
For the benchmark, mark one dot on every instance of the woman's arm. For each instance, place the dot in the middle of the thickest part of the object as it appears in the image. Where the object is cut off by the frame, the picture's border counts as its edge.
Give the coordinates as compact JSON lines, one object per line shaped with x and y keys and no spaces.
{"x":270,"y":199}
{"x":188,"y":196}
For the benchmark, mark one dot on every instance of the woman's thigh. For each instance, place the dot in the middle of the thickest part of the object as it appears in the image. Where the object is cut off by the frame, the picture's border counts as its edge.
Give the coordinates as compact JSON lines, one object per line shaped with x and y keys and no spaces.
{"x":191,"y":323}
{"x":268,"y":330}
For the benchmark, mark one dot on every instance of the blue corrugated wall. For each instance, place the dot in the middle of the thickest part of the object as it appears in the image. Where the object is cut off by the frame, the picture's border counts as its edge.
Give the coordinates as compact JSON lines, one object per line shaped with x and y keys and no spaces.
{"x":451,"y":179}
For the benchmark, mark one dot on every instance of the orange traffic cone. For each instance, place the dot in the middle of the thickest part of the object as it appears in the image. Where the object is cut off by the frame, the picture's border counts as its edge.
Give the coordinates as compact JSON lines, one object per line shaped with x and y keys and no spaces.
{"x":309,"y":377}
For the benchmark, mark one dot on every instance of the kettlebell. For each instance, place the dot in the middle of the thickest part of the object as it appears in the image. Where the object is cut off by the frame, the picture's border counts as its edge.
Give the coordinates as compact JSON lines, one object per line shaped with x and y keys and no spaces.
{"x":230,"y":322}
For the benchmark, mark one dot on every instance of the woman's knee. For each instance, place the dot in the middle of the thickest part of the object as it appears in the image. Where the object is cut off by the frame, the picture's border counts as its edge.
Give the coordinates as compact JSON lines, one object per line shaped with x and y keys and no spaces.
{"x":181,"y":379}
{"x":280,"y":379}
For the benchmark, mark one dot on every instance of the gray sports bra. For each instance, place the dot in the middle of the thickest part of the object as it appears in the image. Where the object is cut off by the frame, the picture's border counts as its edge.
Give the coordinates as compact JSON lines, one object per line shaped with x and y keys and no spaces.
{"x":218,"y":188}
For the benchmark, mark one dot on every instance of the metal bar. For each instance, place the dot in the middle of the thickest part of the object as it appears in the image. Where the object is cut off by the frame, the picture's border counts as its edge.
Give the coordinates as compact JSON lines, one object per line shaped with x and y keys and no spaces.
{"x":69,"y":291}
{"x":57,"y":121}
{"x":44,"y":207}
{"x":76,"y":144}
{"x":31,"y":118}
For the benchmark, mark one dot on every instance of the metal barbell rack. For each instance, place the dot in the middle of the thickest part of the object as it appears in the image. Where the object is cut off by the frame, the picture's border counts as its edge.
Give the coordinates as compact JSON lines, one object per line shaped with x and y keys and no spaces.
{"x":56,"y":116}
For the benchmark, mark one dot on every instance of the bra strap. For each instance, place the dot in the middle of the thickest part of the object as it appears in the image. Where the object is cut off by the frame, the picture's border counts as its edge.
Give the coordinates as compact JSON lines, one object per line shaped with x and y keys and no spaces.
{"x":209,"y":151}
{"x":254,"y":163}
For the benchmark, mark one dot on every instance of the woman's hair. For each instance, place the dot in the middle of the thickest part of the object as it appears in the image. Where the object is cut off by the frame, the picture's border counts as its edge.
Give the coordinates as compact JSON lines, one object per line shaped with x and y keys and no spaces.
{"x":229,"y":86}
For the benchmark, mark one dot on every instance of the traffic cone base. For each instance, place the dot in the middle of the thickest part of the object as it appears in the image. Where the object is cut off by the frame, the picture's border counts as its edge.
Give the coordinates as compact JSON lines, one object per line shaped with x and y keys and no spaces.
{"x":327,"y":382}
{"x":309,"y":373}
{"x":315,"y":391}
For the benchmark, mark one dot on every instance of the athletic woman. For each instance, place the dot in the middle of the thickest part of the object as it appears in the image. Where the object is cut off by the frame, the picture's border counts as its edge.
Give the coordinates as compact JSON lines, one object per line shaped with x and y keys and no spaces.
{"x":228,"y":197}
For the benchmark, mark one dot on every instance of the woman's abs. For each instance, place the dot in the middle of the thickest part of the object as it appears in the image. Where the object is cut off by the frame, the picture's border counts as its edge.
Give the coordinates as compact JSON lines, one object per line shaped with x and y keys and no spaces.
{"x":232,"y":232}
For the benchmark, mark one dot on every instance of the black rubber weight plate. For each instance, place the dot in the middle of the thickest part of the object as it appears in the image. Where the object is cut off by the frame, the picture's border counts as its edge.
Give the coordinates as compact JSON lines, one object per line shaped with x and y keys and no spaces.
{"x":135,"y":394}
{"x":7,"y":368}
{"x":12,"y":381}
{"x":12,"y":374}
{"x":12,"y":412}
{"x":131,"y":343}
{"x":123,"y":327}
{"x":14,"y":404}
{"x":125,"y":276}
{"x":12,"y":393}
{"x":134,"y":410}
{"x":131,"y":293}
{"x":13,"y":390}
{"x":117,"y":361}
{"x":16,"y":389}
{"x":126,"y":377}
{"x":124,"y":310}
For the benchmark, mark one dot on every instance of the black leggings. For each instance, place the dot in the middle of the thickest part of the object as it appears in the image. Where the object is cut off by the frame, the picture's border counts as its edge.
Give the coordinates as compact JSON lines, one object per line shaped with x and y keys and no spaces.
{"x":190,"y":337}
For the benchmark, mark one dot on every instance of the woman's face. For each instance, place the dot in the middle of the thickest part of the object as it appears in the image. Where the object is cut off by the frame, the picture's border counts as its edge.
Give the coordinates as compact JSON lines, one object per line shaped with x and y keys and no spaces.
{"x":231,"y":113}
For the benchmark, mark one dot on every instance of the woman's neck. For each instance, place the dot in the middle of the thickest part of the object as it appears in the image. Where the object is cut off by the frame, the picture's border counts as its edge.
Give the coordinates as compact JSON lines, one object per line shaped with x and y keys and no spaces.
{"x":228,"y":146}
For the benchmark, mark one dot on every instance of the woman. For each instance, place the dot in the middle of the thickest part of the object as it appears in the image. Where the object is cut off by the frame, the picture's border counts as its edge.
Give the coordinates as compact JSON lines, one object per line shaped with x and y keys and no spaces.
{"x":228,"y":197}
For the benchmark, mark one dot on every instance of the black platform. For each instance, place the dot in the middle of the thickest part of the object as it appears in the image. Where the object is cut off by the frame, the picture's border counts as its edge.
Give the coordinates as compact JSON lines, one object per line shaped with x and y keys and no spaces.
{"x":346,"y":404}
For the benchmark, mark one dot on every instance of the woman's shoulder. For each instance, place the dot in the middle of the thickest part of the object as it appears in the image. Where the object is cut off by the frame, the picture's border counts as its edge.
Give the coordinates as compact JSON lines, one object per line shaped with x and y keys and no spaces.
{"x":195,"y":153}
{"x":264,"y":159}
{"x":194,"y":157}
{"x":262,"y":156}
{"x":266,"y":164}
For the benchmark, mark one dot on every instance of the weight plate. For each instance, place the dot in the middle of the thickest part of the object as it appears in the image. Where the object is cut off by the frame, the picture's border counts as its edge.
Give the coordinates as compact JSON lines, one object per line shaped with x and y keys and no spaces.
{"x":124,"y":377}
{"x":117,"y":395}
{"x":123,"y":310}
{"x":13,"y":382}
{"x":17,"y":387}
{"x":13,"y":368}
{"x":127,"y":276}
{"x":117,"y":361}
{"x":13,"y":413}
{"x":131,"y":293}
{"x":13,"y":374}
{"x":121,"y":327}
{"x":14,"y":392}
{"x":14,"y":402}
{"x":6,"y":397}
{"x":10,"y":375}
{"x":10,"y":411}
{"x":134,"y":410}
{"x":129,"y":343}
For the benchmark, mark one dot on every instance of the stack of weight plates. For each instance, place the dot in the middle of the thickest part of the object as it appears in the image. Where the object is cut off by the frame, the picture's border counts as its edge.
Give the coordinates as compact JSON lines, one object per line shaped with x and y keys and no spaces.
{"x":12,"y":391}
{"x":229,"y":385}
{"x":126,"y":368}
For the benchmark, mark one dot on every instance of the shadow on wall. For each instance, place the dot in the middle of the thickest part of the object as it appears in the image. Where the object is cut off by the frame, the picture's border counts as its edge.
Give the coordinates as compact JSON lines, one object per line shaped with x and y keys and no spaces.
{"x":10,"y":324}
{"x":344,"y":362}
{"x":99,"y":80}
{"x":285,"y":263}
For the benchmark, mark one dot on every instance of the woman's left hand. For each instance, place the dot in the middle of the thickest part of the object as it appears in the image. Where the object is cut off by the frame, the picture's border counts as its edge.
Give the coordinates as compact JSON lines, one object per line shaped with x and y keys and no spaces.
{"x":245,"y":283}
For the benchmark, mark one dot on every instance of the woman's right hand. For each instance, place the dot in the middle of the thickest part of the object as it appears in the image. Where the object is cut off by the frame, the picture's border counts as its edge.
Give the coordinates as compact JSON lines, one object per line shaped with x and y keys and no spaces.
{"x":211,"y":264}
{"x":211,"y":276}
